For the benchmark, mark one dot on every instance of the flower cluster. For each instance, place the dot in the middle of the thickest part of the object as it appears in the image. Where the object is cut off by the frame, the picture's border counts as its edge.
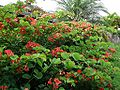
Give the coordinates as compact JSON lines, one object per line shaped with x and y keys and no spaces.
{"x":55,"y":51}
{"x":9,"y":53}
{"x":0,"y":54}
{"x":55,"y":82}
{"x":26,"y":68}
{"x":30,"y":45}
{"x":3,"y":87}
{"x":22,"y":30}
{"x":54,"y":36}
{"x":112,"y":50}
{"x":1,"y":25}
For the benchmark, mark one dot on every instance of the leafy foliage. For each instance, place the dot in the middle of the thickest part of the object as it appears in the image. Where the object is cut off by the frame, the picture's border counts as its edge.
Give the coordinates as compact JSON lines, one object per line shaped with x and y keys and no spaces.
{"x":38,"y":55}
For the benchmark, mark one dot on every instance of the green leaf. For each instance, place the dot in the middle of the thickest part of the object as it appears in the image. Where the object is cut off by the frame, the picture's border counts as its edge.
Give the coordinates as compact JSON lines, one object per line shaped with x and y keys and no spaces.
{"x":45,"y":68}
{"x":77,"y":56}
{"x":30,"y":65}
{"x":38,"y":74}
{"x":26,"y":76}
{"x":43,"y":57}
{"x":69,"y":64}
{"x":14,"y":57}
{"x":39,"y":63}
{"x":56,"y":61}
{"x":70,"y":81}
{"x":90,"y":72}
{"x":106,"y":88}
{"x":27,"y":86}
{"x":61,"y":88}
{"x":65,"y":55}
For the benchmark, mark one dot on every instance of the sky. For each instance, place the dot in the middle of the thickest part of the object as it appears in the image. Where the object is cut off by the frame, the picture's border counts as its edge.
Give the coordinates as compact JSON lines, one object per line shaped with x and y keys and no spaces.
{"x":50,"y":5}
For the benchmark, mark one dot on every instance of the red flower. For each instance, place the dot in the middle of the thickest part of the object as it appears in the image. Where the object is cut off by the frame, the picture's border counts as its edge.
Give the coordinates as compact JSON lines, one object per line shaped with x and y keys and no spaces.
{"x":57,"y":81}
{"x":112,"y":50}
{"x":9,"y":53}
{"x":106,"y":60}
{"x":3,"y":87}
{"x":50,"y":82}
{"x":83,"y":75}
{"x":12,"y":61}
{"x":8,"y":20}
{"x":27,"y":54}
{"x":50,"y":39}
{"x":55,"y":86}
{"x":52,"y":15}
{"x":55,"y":51}
{"x":101,"y":88}
{"x":79,"y":71}
{"x":26,"y":68}
{"x":57,"y":35}
{"x":92,"y":77}
{"x":1,"y":26}
{"x":109,"y":85}
{"x":22,"y":30}
{"x":43,"y":27}
{"x":68,"y":75}
{"x":19,"y":69}
{"x":16,"y":19}
{"x":0,"y":54}
{"x":23,"y":6}
{"x":33,"y":22}
{"x":76,"y":81}
{"x":107,"y":54}
{"x":29,"y":18}
{"x":88,"y":79}
{"x":30,"y":45}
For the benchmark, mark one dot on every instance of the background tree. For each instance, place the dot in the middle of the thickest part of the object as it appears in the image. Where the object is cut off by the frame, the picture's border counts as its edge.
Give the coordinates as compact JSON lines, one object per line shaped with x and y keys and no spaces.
{"x":86,"y":9}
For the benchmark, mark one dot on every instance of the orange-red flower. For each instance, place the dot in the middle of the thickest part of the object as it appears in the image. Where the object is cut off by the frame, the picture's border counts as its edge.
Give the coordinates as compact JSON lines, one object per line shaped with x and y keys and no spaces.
{"x":26,"y":68}
{"x":12,"y":61}
{"x":9,"y":53}
{"x":33,"y":22}
{"x":67,"y":75}
{"x":57,"y":81}
{"x":57,"y":35}
{"x":76,"y":81}
{"x":55,"y":51}
{"x":107,"y":55}
{"x":79,"y":71}
{"x":50,"y":39}
{"x":101,"y":88}
{"x":1,"y":25}
{"x":30,"y":45}
{"x":43,"y":27}
{"x":8,"y":20}
{"x":83,"y":76}
{"x":0,"y":54}
{"x":19,"y":69}
{"x":3,"y":87}
{"x":109,"y":85}
{"x":16,"y":19}
{"x":27,"y":54}
{"x":112,"y":50}
{"x":22,"y":30}
{"x":49,"y":81}
{"x":55,"y":86}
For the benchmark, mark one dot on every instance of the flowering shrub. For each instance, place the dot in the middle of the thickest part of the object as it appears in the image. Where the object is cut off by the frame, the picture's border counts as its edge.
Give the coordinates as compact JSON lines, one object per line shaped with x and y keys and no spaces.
{"x":38,"y":55}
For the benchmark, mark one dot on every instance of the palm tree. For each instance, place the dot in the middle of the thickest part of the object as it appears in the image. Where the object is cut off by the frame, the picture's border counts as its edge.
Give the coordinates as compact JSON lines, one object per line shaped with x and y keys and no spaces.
{"x":86,"y":9}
